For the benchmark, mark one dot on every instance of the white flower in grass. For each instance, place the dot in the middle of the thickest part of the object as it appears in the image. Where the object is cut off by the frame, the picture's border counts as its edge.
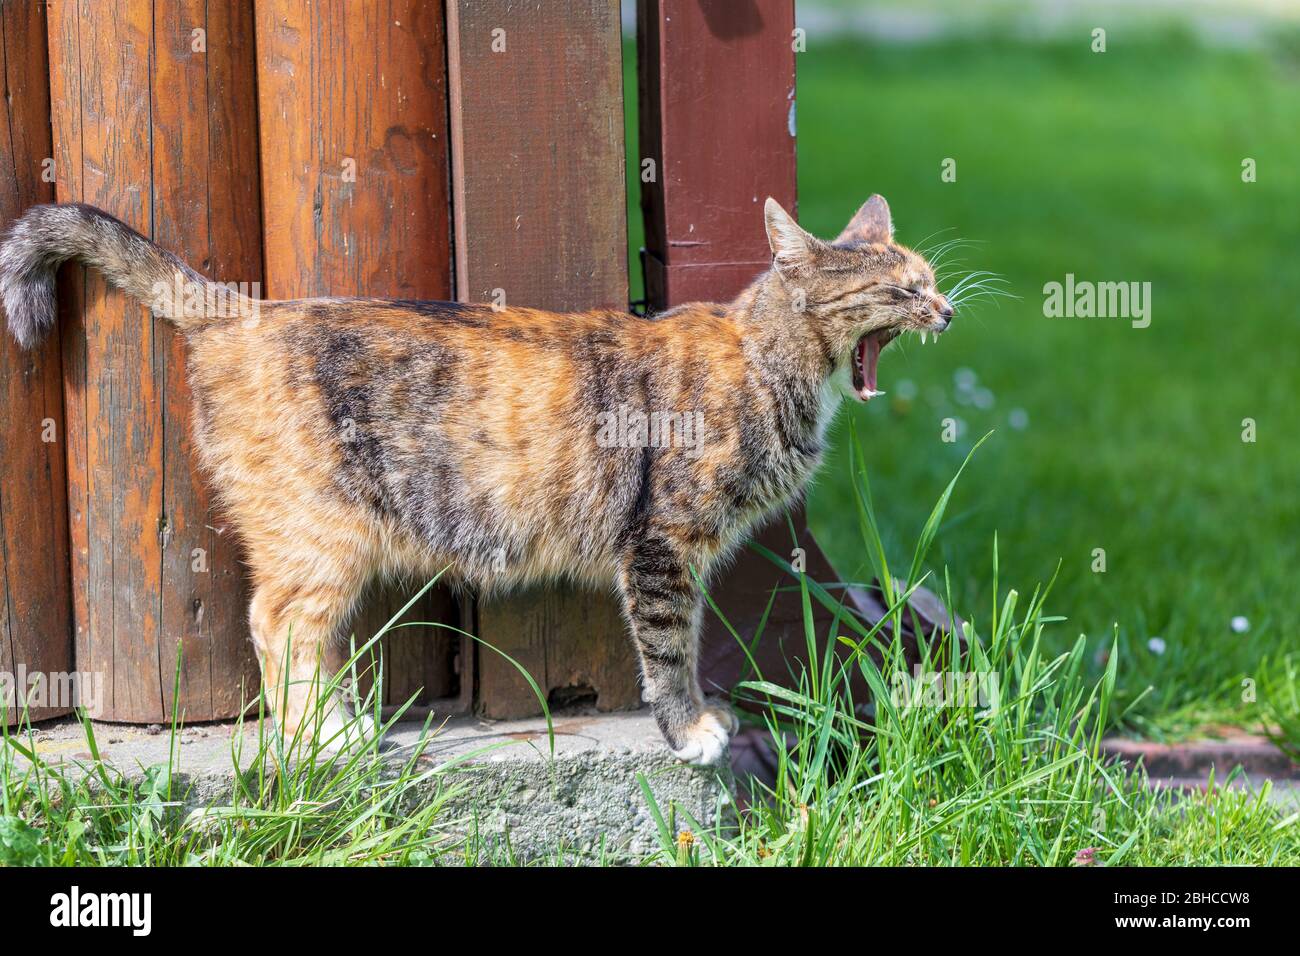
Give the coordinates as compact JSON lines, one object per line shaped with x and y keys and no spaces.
{"x":1156,"y":645}
{"x":1240,"y":625}
{"x":1018,"y":419}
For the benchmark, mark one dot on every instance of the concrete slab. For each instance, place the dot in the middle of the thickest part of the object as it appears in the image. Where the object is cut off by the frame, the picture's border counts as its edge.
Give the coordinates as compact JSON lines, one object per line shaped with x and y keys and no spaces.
{"x":585,"y":798}
{"x":1255,"y":754}
{"x":1186,"y":766}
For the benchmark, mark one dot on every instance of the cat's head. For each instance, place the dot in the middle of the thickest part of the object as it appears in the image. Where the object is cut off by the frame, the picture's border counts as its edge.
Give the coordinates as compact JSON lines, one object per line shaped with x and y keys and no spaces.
{"x":861,"y":289}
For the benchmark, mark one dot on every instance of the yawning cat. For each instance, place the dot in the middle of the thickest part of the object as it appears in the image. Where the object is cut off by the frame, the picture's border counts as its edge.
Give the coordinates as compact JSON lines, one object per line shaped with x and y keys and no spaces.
{"x":349,"y":438}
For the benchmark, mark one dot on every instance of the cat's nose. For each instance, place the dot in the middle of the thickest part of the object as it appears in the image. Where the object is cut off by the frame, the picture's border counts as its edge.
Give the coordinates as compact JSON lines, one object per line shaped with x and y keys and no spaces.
{"x":943,"y":309}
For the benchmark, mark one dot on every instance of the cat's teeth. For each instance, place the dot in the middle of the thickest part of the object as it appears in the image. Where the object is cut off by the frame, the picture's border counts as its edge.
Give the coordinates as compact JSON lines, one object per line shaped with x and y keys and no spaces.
{"x":922,"y":338}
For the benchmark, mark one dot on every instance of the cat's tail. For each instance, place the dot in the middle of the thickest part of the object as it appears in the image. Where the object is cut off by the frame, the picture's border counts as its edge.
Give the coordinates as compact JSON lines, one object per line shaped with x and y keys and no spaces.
{"x":45,"y":237}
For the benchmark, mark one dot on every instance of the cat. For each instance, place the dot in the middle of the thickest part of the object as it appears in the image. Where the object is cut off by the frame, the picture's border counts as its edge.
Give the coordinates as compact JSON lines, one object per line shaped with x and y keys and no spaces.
{"x":353,"y":437}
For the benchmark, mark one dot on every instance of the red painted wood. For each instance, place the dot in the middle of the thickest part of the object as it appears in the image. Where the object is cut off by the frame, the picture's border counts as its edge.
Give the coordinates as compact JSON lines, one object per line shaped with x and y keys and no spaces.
{"x":717,"y":83}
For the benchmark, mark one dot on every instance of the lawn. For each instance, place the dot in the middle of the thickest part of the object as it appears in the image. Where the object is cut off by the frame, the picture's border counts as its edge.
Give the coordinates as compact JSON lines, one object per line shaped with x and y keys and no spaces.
{"x":1122,"y":166}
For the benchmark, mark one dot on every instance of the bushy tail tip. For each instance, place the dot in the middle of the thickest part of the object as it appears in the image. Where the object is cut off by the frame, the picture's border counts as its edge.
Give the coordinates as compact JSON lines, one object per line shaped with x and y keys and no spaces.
{"x":45,"y":237}
{"x":27,"y":272}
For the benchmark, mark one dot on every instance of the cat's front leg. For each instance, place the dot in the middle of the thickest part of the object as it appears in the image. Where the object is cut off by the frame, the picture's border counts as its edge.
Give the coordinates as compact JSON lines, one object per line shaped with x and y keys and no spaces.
{"x":664,"y":611}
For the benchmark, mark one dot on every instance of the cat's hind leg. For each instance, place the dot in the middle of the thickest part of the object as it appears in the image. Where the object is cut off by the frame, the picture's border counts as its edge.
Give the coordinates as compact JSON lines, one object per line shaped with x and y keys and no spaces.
{"x":298,"y":607}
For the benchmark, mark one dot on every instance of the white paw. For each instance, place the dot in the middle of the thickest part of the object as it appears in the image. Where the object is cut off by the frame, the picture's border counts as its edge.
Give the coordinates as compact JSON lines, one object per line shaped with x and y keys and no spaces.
{"x":706,"y":740}
{"x":339,"y":732}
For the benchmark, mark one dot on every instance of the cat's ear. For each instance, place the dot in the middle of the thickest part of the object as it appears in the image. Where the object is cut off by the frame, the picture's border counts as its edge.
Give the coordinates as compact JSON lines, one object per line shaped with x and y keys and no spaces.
{"x":792,"y":247}
{"x":871,"y":223}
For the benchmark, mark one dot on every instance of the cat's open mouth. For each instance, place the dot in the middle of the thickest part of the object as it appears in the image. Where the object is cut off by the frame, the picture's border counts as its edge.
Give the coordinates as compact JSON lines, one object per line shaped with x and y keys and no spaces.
{"x":865,"y":358}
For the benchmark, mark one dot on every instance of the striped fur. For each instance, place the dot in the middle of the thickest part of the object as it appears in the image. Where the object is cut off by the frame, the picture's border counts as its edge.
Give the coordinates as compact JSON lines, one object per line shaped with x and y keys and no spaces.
{"x":349,"y":438}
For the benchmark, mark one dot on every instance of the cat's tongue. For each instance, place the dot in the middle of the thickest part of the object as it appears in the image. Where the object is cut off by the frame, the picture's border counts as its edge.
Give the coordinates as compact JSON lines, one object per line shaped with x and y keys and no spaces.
{"x":868,"y":357}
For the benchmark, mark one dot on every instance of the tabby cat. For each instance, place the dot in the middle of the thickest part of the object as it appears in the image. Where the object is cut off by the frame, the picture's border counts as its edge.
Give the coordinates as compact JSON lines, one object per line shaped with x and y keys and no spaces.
{"x":350,"y":438}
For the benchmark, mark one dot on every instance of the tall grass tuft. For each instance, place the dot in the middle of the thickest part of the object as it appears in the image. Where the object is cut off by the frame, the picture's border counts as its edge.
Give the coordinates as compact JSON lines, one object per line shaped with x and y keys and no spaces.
{"x":988,"y":754}
{"x":298,"y":801}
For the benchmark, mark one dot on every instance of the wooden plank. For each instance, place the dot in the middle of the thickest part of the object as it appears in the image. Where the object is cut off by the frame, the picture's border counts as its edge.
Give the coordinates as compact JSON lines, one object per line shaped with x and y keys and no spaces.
{"x":206,"y":208}
{"x":537,"y":139}
{"x":716,"y":93}
{"x":102,"y":57}
{"x":65,"y":121}
{"x":356,"y":184}
{"x":719,"y":154}
{"x":151,"y":128}
{"x":35,"y":608}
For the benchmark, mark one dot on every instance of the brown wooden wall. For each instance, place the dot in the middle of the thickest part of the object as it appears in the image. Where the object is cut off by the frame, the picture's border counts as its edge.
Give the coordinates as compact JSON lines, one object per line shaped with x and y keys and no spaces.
{"x":537,"y":127}
{"x":152,"y":128}
{"x":335,"y":147}
{"x":356,"y":179}
{"x":35,"y":613}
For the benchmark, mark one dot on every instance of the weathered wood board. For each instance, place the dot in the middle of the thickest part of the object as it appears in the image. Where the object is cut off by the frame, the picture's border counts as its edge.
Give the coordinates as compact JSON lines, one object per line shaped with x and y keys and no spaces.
{"x":154,"y":120}
{"x":540,"y":214}
{"x":719,"y":156}
{"x":35,"y":608}
{"x":717,"y":107}
{"x":356,"y":191}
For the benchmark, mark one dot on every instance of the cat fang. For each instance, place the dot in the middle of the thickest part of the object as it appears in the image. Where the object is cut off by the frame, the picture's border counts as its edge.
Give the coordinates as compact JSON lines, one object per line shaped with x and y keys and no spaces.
{"x":866,"y":355}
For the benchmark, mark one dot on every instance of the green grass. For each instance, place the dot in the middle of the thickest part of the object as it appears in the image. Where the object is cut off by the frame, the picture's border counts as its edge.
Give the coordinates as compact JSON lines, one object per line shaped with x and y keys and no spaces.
{"x":1011,"y":776}
{"x":292,"y":802}
{"x":324,"y":796}
{"x":351,"y":811}
{"x":1123,"y":166}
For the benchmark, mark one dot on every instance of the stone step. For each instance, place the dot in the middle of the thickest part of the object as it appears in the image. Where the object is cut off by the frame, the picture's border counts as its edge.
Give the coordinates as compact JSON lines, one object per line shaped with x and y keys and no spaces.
{"x":584,"y":798}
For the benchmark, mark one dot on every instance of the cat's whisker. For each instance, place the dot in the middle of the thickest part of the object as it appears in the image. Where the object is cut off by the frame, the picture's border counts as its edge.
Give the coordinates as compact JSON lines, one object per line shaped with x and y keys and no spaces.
{"x":925,"y":250}
{"x":943,"y":247}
